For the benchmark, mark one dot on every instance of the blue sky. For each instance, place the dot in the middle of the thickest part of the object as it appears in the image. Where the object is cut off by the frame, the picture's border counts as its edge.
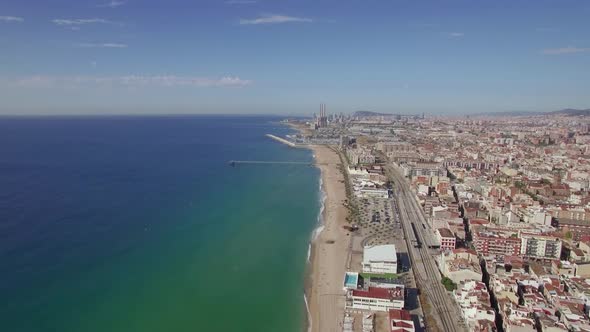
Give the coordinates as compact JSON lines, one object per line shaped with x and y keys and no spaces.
{"x":285,"y":57}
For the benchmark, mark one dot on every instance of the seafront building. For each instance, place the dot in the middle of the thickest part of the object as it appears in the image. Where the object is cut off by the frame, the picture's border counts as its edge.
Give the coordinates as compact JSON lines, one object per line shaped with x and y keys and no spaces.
{"x":378,"y":299}
{"x":380,"y":259}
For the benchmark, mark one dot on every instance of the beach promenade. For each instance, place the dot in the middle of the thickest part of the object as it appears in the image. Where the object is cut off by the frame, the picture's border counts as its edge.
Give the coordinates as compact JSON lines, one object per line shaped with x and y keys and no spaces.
{"x":329,"y":249}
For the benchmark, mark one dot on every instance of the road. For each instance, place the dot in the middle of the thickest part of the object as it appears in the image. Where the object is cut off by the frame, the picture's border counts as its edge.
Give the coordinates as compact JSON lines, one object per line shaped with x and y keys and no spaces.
{"x":428,"y":278}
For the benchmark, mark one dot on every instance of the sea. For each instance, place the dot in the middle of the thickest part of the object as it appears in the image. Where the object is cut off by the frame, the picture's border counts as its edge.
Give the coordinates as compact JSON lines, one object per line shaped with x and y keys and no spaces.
{"x":138,"y":223}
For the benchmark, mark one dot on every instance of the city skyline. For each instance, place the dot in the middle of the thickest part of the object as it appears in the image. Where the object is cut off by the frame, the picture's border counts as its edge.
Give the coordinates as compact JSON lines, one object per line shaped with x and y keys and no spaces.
{"x":285,"y":57}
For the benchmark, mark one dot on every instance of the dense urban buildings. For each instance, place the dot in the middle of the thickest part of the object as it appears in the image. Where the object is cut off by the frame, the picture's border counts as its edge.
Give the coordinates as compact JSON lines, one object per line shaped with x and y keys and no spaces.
{"x":503,"y":209}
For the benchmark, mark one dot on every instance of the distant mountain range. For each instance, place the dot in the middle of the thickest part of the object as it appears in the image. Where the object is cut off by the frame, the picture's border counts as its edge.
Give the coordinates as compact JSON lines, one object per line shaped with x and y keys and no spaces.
{"x":565,"y":111}
{"x":573,"y":112}
{"x":370,"y":113}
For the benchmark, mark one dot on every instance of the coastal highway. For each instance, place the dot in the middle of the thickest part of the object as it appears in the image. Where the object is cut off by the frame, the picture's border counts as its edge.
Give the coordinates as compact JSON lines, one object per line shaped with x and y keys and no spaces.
{"x":428,"y":278}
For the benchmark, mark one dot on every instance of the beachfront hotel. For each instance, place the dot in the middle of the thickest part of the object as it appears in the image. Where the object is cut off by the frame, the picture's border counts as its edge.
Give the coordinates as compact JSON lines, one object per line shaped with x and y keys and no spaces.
{"x":380,"y":259}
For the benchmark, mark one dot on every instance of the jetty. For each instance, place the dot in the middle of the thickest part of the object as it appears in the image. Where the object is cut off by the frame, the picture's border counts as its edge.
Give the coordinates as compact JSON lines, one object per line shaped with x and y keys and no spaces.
{"x":282,"y":140}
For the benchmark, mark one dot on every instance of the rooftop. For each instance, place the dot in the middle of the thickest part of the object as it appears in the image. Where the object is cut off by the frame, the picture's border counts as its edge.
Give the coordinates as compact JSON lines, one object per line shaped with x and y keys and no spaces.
{"x":380,"y":293}
{"x":380,"y":253}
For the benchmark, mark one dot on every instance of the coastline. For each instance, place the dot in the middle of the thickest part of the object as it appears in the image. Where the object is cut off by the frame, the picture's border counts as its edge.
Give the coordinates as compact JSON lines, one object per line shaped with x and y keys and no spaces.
{"x":329,"y":244}
{"x":325,"y":297}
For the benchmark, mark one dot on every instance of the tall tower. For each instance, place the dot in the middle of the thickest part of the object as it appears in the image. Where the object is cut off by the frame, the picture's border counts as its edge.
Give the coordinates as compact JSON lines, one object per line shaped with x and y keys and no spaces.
{"x":322,"y":120}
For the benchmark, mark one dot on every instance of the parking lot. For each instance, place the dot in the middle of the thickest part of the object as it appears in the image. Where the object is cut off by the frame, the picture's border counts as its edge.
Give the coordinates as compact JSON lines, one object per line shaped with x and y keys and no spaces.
{"x":380,"y":224}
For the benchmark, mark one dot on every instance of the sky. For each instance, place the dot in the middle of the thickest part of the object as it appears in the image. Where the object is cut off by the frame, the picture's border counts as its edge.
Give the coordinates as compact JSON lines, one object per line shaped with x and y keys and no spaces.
{"x":287,"y":57}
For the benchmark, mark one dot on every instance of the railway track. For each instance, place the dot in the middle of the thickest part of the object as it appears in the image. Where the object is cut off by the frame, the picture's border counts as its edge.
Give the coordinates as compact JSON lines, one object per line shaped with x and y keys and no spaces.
{"x":425,"y":271}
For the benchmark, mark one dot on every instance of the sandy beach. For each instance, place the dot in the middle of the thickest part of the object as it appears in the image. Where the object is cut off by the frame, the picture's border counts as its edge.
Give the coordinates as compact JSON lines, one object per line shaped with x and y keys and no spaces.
{"x":329,"y":253}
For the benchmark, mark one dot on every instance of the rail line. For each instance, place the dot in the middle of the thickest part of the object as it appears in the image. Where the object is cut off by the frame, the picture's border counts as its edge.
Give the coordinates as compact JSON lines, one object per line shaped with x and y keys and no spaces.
{"x":425,"y":271}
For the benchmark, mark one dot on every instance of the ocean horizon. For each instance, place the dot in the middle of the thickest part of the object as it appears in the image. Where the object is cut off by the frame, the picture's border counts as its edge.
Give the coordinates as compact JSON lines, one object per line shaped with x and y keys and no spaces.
{"x":138,"y":223}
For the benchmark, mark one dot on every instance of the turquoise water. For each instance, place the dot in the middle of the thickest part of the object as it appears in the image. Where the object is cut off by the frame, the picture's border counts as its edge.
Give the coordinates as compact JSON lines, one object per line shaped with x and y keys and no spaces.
{"x":139,"y":224}
{"x":350,"y":280}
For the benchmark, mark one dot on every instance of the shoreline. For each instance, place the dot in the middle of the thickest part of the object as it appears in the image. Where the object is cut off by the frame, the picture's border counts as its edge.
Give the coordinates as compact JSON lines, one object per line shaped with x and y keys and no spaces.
{"x":324,"y":294}
{"x":315,"y":233}
{"x":329,"y":243}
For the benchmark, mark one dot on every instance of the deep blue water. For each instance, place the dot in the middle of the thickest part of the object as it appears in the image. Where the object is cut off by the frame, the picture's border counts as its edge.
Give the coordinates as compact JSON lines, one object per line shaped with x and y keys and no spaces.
{"x":139,"y":224}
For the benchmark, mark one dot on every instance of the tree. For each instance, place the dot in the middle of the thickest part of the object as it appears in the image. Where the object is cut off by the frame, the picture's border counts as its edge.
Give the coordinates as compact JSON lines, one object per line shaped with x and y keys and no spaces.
{"x":449,"y":284}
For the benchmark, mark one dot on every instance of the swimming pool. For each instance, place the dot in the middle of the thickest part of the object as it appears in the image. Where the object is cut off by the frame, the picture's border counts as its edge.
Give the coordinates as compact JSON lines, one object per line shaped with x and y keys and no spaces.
{"x":351,"y":280}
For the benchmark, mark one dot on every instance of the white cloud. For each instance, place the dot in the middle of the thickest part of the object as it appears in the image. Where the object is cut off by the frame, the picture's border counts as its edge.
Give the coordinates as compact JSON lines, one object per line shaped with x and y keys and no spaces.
{"x":565,"y":50}
{"x":274,"y":19}
{"x":240,"y":2}
{"x":10,"y":19}
{"x":80,"y":21}
{"x":112,"y":4}
{"x":102,"y":45}
{"x":456,"y":34}
{"x":130,"y":81}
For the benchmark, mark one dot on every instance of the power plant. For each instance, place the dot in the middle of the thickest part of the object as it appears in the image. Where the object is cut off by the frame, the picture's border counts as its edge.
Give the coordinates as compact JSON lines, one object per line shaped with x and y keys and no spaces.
{"x":322,"y":119}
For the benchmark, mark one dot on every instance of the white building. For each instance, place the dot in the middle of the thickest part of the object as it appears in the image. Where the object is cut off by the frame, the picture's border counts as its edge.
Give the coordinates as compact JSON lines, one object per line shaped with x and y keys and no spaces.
{"x":540,"y":246}
{"x":534,"y":215}
{"x":360,"y":156}
{"x":378,"y":299}
{"x":380,"y":259}
{"x":473,"y":299}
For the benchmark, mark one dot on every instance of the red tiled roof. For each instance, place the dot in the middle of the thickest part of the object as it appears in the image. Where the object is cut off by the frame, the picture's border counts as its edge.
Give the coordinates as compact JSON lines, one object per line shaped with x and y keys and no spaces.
{"x":378,"y":293}
{"x":399,"y":314}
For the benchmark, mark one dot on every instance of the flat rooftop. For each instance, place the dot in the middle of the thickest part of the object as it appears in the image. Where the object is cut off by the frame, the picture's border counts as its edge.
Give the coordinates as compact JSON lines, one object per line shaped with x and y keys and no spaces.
{"x":380,"y":253}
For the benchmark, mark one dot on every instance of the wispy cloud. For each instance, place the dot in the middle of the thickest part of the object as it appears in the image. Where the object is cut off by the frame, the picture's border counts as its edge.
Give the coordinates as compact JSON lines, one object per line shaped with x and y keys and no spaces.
{"x":102,"y":45}
{"x":566,"y":50}
{"x":112,"y":4}
{"x":240,"y":2}
{"x":130,"y":81}
{"x":80,"y":21}
{"x":10,"y":19}
{"x":456,"y":34}
{"x":275,"y":19}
